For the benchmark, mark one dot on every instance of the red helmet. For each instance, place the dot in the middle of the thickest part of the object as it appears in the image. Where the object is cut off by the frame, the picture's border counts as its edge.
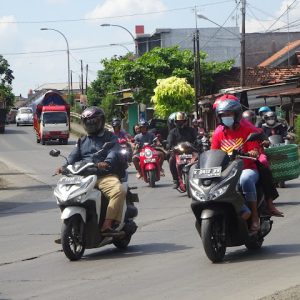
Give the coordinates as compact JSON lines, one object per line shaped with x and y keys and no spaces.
{"x":223,"y":98}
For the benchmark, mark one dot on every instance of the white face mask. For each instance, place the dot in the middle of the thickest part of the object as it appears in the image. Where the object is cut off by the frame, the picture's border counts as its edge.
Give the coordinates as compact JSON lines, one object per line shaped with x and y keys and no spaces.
{"x":228,"y":121}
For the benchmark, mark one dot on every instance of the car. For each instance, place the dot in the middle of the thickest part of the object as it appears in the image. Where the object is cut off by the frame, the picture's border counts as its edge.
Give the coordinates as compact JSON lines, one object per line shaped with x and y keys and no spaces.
{"x":24,"y":116}
{"x":11,"y":115}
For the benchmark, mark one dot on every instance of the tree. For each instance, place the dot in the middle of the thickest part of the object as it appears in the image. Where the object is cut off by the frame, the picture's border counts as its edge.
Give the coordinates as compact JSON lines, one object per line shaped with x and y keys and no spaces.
{"x":6,"y":78}
{"x":172,"y":94}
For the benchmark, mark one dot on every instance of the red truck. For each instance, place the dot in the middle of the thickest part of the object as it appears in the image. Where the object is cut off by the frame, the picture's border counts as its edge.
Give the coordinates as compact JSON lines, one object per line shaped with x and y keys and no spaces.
{"x":51,"y":119}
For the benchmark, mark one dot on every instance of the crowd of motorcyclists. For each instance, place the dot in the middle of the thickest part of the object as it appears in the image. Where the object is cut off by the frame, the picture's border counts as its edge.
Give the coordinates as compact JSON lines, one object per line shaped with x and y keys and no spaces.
{"x":233,"y":126}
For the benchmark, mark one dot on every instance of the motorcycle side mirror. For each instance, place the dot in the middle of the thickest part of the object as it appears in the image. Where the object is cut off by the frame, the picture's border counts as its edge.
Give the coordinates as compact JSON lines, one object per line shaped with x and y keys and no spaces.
{"x":254,"y":136}
{"x":54,"y":152}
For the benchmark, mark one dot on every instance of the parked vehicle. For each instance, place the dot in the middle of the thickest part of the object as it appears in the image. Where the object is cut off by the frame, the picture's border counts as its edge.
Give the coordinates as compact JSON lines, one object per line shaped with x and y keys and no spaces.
{"x":52,"y":118}
{"x":149,"y":164}
{"x":186,"y":154}
{"x":217,"y":202}
{"x":24,"y":116}
{"x":83,"y":210}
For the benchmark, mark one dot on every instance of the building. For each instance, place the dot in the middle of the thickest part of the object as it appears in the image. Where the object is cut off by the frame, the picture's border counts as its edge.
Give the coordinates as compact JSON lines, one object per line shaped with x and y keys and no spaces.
{"x":220,"y":44}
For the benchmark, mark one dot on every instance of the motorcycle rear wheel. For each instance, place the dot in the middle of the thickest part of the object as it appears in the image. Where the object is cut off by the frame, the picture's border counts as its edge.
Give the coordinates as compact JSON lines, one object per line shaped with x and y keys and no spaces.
{"x":72,"y":237}
{"x":212,"y":239}
{"x":254,"y":244}
{"x":151,"y":177}
{"x":122,"y":243}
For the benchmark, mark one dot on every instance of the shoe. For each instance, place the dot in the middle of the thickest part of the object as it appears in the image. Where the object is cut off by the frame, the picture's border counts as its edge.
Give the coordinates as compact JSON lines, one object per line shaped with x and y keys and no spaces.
{"x":138,"y":175}
{"x":110,"y":232}
{"x":175,"y":184}
{"x":162,"y":172}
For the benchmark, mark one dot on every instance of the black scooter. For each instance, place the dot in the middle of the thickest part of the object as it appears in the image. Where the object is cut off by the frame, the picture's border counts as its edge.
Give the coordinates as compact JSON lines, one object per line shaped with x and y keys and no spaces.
{"x":217,"y":202}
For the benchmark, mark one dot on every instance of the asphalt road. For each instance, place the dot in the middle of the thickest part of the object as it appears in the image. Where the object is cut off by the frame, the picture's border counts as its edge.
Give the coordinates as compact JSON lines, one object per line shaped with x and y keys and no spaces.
{"x":165,"y":259}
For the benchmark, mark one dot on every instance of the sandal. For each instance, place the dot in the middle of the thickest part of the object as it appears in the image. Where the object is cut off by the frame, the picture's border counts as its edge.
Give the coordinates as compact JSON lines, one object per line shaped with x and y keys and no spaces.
{"x":275,"y":213}
{"x":138,"y":176}
{"x":255,"y":226}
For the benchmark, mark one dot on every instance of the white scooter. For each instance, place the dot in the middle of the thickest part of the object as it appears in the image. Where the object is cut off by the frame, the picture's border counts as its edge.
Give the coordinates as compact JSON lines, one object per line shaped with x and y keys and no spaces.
{"x":83,"y":210}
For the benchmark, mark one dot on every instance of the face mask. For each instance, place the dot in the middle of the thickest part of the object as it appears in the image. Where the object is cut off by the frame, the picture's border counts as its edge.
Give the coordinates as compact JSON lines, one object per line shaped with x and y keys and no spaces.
{"x":227,"y":121}
{"x":270,"y":122}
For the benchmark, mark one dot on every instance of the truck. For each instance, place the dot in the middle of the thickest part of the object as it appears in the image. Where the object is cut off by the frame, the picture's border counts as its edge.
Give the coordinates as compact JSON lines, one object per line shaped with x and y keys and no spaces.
{"x":51,"y":120}
{"x":2,"y":116}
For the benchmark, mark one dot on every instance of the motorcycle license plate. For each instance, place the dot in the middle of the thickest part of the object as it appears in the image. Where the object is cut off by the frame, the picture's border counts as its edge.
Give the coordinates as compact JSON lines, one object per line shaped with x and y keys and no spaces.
{"x":185,"y":156}
{"x":207,"y":173}
{"x":149,"y":160}
{"x":70,"y":180}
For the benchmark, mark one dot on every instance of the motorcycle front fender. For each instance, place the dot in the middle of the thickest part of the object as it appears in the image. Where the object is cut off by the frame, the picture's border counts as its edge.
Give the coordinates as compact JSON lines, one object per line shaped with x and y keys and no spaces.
{"x":73,"y":210}
{"x":210,"y":213}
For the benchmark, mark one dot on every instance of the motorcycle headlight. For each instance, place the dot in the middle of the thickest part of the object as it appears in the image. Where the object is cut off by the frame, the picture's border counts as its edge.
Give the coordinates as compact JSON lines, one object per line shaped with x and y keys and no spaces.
{"x":148,"y":153}
{"x":217,"y":193}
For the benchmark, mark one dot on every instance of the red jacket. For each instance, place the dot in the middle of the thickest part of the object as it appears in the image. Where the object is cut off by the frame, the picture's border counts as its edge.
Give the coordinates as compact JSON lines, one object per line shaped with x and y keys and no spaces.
{"x":230,"y":139}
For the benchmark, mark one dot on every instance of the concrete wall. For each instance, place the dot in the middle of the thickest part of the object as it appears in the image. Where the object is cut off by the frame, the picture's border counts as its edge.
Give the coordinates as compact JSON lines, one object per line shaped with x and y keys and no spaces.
{"x":260,"y":46}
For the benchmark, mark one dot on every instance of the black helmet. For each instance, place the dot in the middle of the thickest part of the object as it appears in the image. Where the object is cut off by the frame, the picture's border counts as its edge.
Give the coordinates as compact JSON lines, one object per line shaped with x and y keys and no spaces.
{"x":93,"y":120}
{"x":143,"y":123}
{"x":180,"y":119}
{"x":249,"y":115}
{"x":116,"y":122}
{"x":270,"y":117}
{"x":228,"y":106}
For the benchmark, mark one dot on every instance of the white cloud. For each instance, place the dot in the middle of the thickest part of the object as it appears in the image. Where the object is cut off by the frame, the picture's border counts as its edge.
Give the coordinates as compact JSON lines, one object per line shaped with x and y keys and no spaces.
{"x":7,"y":27}
{"x":112,"y":8}
{"x":280,"y":19}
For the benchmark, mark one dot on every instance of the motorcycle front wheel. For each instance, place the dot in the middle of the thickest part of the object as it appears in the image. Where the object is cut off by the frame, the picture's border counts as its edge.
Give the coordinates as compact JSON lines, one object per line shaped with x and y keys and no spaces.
{"x":123,"y":242}
{"x":151,"y":177}
{"x":187,"y":185}
{"x":72,"y":237}
{"x":212,"y":239}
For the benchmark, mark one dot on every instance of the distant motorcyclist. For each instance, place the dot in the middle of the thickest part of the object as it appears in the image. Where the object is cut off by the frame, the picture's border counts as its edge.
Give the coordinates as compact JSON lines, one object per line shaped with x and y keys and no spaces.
{"x":261,"y":112}
{"x":140,"y":139}
{"x":272,"y":126}
{"x":181,"y":133}
{"x":119,"y":133}
{"x":109,"y":167}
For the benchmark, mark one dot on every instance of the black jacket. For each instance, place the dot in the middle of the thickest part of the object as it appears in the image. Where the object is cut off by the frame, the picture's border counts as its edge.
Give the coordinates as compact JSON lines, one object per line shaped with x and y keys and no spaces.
{"x":278,"y":128}
{"x":178,"y":135}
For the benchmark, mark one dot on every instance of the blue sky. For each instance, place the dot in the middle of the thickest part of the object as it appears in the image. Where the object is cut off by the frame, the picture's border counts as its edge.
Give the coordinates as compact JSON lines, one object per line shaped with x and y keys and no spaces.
{"x":20,"y":23}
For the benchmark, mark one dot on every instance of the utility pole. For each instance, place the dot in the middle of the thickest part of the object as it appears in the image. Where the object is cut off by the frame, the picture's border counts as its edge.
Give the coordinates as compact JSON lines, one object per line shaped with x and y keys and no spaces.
{"x":243,"y":59}
{"x":86,"y":78}
{"x":81,"y":76}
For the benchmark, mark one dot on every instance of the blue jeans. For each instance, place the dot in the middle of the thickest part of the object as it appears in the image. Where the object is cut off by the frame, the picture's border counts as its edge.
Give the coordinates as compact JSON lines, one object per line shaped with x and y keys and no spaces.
{"x":248,"y":181}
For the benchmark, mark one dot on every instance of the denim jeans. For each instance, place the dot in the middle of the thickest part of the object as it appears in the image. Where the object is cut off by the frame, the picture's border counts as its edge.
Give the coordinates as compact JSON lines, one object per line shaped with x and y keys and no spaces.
{"x":248,"y":180}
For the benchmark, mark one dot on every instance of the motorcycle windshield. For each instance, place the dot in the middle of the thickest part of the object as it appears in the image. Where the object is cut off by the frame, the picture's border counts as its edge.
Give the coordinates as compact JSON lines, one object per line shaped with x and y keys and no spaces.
{"x":213,"y":158}
{"x":275,"y":139}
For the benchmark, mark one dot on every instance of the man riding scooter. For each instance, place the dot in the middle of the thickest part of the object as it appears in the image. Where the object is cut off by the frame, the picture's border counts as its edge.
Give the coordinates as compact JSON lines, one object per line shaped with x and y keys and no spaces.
{"x":181,"y":133}
{"x":140,"y":139}
{"x":93,"y":119}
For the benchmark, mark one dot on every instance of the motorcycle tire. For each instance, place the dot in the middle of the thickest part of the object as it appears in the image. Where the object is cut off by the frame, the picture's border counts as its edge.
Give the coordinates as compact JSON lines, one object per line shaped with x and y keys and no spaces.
{"x":122,"y":243}
{"x":212,"y":238}
{"x":72,"y":237}
{"x":281,"y":184}
{"x":151,"y":177}
{"x":187,"y":185}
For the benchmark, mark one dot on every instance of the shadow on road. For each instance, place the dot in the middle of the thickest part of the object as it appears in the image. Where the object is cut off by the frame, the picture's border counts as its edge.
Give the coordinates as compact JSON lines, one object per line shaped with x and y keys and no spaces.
{"x":266,"y":252}
{"x":137,"y":250}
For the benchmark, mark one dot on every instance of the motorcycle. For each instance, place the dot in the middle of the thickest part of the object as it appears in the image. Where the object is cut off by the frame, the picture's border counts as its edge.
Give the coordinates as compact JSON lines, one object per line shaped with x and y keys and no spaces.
{"x":126,"y":149}
{"x":149,"y":164}
{"x":185,"y":155}
{"x":83,"y":210}
{"x":216,"y":203}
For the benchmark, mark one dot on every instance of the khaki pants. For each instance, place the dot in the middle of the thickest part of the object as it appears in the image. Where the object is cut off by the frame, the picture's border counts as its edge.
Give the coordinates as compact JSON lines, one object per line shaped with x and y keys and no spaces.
{"x":112,"y":188}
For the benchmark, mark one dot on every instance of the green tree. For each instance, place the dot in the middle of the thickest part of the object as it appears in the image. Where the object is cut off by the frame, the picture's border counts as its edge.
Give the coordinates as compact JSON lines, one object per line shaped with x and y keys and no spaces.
{"x":6,"y":78}
{"x":172,"y":94}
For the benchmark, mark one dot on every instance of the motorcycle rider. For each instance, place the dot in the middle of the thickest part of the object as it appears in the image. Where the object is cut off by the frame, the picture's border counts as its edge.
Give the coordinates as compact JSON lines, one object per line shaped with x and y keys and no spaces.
{"x":140,"y":139}
{"x":109,"y":167}
{"x":181,"y":133}
{"x":261,"y":112}
{"x":268,"y":186}
{"x":119,"y":133}
{"x":272,"y":126}
{"x":233,"y":135}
